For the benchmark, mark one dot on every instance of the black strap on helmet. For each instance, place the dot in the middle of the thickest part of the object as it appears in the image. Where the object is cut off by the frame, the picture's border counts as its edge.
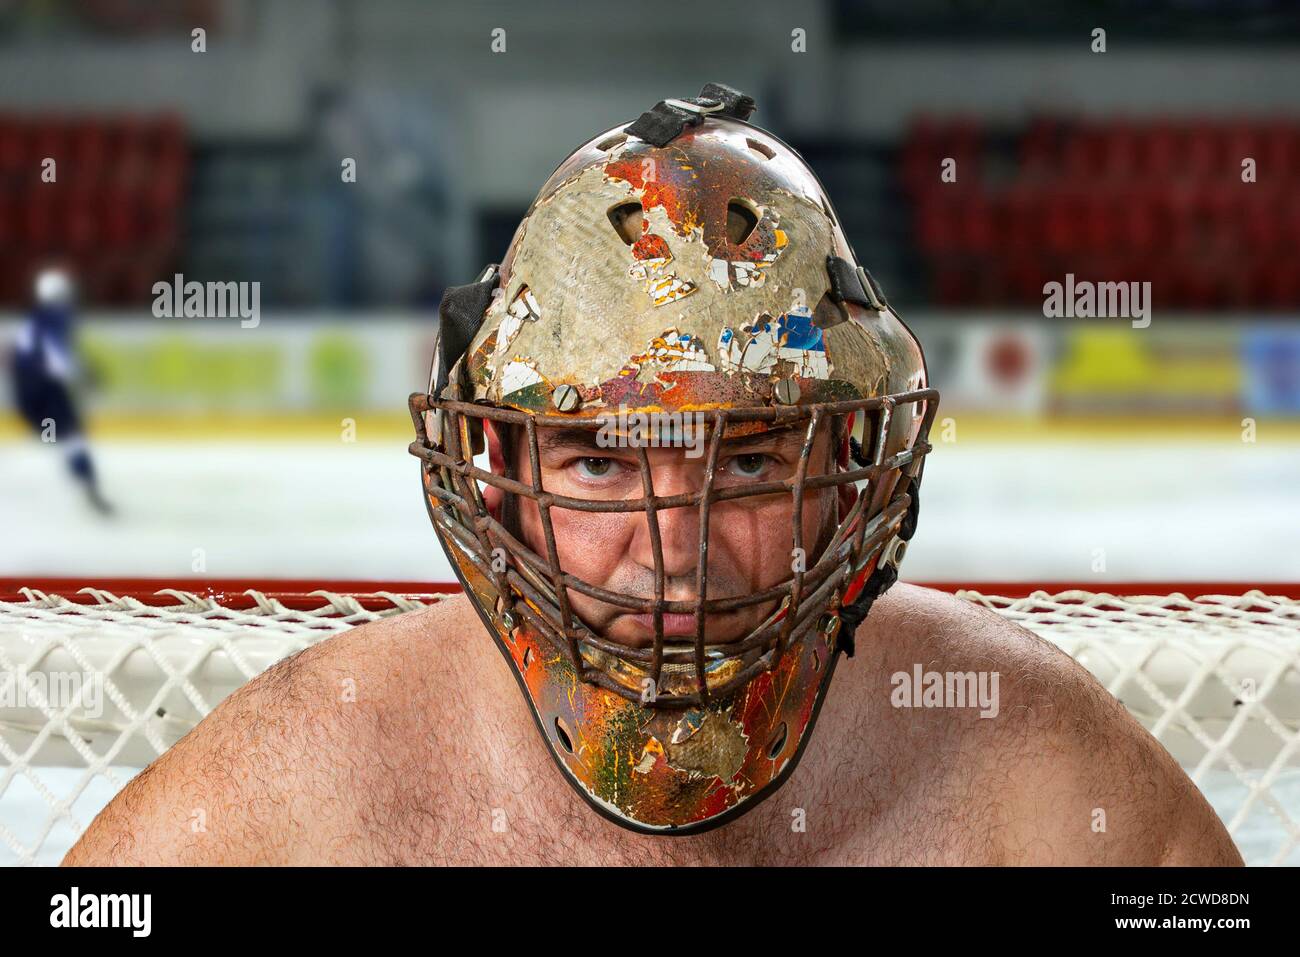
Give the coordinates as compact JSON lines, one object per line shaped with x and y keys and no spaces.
{"x":660,"y":125}
{"x":734,"y":103}
{"x":460,"y":314}
{"x":854,"y":284}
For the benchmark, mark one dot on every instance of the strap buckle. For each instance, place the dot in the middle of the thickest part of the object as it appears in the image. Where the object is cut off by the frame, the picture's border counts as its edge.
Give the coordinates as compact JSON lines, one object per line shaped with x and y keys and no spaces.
{"x":893,"y":552}
{"x":701,"y":106}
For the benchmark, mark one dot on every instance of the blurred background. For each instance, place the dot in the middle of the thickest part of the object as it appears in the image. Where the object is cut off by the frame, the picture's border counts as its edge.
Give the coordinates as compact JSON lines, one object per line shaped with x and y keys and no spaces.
{"x":1067,"y":449}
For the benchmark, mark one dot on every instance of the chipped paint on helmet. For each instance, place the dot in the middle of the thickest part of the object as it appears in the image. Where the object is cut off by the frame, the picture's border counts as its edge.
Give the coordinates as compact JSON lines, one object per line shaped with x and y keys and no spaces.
{"x":759,"y":347}
{"x":595,"y":302}
{"x":652,"y":258}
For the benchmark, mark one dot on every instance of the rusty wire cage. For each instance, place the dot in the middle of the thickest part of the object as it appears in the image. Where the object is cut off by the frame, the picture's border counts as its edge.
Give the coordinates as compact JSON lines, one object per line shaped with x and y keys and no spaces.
{"x":534,"y":587}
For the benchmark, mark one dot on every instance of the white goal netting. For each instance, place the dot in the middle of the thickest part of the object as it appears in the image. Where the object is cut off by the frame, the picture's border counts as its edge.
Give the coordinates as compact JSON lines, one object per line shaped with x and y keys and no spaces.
{"x":95,"y":685}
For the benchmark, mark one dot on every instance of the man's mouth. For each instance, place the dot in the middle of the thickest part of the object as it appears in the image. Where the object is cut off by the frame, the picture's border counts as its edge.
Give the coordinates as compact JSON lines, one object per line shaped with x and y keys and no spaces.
{"x":674,"y":624}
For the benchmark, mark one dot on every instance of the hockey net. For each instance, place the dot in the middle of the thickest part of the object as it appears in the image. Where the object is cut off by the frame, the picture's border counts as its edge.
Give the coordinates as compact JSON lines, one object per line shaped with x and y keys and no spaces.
{"x":97,"y":682}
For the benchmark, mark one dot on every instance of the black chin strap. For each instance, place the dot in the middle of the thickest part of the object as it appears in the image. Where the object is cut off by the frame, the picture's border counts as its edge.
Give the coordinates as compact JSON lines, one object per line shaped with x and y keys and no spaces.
{"x":853,"y":614}
{"x":880,"y":581}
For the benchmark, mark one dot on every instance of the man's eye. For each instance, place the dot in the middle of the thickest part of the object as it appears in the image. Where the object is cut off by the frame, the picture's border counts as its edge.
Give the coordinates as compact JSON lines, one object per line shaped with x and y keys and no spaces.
{"x":596,"y":468}
{"x":748,"y":466}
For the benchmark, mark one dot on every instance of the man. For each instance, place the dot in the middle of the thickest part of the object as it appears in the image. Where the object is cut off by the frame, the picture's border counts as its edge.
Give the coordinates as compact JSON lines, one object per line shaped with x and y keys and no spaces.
{"x":43,"y":369}
{"x":705,"y":430}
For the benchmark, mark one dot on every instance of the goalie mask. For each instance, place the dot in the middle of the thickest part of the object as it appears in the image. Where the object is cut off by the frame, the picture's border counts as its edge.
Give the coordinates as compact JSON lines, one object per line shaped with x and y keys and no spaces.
{"x":680,"y":285}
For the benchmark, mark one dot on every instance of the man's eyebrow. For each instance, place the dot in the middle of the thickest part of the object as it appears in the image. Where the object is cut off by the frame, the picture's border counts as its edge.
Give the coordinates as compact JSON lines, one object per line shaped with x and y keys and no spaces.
{"x":577,"y":440}
{"x":780,"y":437}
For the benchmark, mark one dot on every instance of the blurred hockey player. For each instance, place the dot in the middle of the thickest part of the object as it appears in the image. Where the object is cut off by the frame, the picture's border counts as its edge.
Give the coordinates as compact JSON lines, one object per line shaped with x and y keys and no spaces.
{"x":43,"y":368}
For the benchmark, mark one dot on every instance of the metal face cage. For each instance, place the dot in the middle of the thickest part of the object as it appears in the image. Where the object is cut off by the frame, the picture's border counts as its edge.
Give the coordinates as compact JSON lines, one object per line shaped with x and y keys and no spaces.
{"x":534,"y":588}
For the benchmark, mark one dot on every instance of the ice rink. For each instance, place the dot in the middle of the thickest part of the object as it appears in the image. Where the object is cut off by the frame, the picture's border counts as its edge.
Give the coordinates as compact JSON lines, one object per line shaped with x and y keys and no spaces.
{"x":994,"y":510}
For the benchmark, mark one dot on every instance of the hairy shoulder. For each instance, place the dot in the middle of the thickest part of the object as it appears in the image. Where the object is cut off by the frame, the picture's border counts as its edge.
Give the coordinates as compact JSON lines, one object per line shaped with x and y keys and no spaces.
{"x":292,"y":767}
{"x":1052,"y":767}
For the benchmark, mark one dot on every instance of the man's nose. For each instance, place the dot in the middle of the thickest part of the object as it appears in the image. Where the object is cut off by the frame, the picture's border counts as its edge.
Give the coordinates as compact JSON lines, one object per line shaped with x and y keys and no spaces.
{"x":679,"y":528}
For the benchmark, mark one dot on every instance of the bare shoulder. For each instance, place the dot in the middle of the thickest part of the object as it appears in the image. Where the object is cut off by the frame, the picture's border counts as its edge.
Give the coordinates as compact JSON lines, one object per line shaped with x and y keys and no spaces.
{"x":1051,"y":768}
{"x":297,"y":765}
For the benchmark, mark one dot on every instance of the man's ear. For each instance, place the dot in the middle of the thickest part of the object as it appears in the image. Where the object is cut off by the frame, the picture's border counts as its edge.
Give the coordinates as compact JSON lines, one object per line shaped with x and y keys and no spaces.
{"x":493,"y":497}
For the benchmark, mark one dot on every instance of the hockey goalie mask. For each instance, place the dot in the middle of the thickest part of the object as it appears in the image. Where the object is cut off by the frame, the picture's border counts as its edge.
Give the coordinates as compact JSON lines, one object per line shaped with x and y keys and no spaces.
{"x":678,"y":306}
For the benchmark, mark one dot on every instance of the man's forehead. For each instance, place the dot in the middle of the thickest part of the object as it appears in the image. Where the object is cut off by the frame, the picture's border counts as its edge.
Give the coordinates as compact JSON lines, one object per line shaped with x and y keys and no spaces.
{"x":561,"y":438}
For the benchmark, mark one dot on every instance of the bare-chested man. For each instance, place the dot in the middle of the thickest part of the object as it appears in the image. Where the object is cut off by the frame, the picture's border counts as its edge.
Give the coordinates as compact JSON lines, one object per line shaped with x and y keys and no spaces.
{"x":678,"y":369}
{"x":437,"y":760}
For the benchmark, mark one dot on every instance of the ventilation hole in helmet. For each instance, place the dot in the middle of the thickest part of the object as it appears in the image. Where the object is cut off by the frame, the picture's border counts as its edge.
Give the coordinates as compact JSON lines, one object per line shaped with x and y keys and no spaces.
{"x":817,"y":661}
{"x":562,"y":733}
{"x":627,"y":219}
{"x":762,"y":148}
{"x":777,"y":744}
{"x":528,"y":658}
{"x":742,"y":217}
{"x":618,"y":139}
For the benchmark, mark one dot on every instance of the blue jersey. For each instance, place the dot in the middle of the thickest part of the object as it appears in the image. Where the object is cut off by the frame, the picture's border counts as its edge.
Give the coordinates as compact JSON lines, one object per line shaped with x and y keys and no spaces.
{"x":44,"y":345}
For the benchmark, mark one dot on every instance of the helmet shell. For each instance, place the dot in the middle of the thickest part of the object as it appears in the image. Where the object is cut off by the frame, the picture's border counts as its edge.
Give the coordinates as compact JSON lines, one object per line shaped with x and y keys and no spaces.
{"x":680,"y":317}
